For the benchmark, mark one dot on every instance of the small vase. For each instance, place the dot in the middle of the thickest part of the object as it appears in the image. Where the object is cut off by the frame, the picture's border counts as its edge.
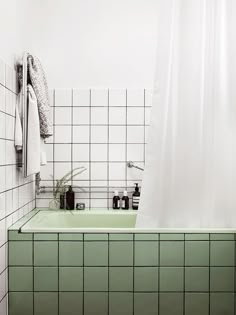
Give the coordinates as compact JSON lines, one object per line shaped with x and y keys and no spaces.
{"x":54,"y":204}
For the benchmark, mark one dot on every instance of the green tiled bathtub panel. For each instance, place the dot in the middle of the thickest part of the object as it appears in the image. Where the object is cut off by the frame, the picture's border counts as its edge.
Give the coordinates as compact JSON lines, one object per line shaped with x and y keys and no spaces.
{"x":128,"y":274}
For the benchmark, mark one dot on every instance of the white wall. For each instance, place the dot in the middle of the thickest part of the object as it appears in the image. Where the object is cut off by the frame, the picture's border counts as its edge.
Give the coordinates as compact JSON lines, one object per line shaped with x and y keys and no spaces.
{"x":99,"y":43}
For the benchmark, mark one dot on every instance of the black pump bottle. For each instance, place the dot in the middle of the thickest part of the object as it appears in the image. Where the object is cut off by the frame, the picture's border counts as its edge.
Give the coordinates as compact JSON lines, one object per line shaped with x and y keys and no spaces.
{"x":70,"y":199}
{"x":136,"y":197}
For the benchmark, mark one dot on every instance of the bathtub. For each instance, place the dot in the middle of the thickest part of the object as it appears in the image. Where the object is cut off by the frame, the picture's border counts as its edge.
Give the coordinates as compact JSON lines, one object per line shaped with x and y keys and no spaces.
{"x":98,"y":263}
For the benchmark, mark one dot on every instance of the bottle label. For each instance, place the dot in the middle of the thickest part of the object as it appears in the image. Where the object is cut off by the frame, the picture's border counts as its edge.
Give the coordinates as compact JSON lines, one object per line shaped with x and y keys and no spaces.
{"x":136,"y":200}
{"x":123,"y":204}
{"x":118,"y":203}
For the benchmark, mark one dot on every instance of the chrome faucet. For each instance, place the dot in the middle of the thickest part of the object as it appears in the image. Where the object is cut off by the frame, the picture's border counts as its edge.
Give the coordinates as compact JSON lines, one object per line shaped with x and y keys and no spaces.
{"x":131,"y":164}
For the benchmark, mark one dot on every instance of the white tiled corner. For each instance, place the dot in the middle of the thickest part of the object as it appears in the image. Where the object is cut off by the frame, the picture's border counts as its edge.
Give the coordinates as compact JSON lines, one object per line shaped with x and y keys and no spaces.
{"x":80,"y":152}
{"x":98,"y":171}
{"x":99,"y":134}
{"x":80,"y":134}
{"x":135,"y":97}
{"x":62,"y":134}
{"x":117,"y":171}
{"x":81,"y":97}
{"x":135,"y":134}
{"x":99,"y":115}
{"x":63,"y":97}
{"x":135,"y":115}
{"x":117,"y":152}
{"x":117,"y":134}
{"x":9,"y":77}
{"x":117,"y":116}
{"x":135,"y":152}
{"x":99,"y":97}
{"x":62,"y":152}
{"x":117,"y":97}
{"x":63,"y":116}
{"x":81,"y":115}
{"x":98,"y":152}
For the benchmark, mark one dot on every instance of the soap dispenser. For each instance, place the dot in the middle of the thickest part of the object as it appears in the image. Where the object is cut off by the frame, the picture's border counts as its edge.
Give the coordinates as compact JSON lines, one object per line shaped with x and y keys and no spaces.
{"x":116,"y":200}
{"x":125,"y":201}
{"x":136,"y":197}
{"x":70,"y":199}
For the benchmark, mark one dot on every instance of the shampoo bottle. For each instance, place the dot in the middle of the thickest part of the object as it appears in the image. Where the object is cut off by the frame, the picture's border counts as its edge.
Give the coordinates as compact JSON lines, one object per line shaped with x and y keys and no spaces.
{"x":125,"y":201}
{"x":116,"y":200}
{"x":70,"y":199}
{"x":136,"y":198}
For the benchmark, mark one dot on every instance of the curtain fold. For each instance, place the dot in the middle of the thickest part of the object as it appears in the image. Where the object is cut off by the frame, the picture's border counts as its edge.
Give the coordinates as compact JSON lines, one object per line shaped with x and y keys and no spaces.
{"x":190,"y":171}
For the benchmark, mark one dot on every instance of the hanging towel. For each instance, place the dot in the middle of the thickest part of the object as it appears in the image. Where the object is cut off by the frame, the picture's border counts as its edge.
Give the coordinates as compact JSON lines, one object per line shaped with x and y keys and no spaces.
{"x":18,"y":124}
{"x":39,"y":84}
{"x":33,"y":133}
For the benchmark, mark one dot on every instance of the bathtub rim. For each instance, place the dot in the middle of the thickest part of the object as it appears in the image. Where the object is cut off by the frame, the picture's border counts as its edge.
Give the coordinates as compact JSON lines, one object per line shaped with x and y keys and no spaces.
{"x":19,"y":225}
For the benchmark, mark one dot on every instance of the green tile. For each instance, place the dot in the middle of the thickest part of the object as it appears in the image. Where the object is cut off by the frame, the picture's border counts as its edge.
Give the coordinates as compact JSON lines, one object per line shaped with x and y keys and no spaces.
{"x":171,"y":303}
{"x":16,"y":236}
{"x":95,"y":303}
{"x":196,"y":253}
{"x":222,"y":304}
{"x":45,"y":303}
{"x":45,"y":236}
{"x":222,"y":279}
{"x":146,"y":237}
{"x":45,"y":253}
{"x":121,"y":253}
{"x":70,"y":253}
{"x":145,"y":303}
{"x":196,"y":303}
{"x":70,"y":279}
{"x":70,"y":303}
{"x":96,"y":278}
{"x":96,"y":253}
{"x":222,"y":237}
{"x":172,"y":237}
{"x":20,"y":278}
{"x":20,"y":303}
{"x":121,"y":279}
{"x":197,"y":237}
{"x":45,"y":279}
{"x":20,"y":253}
{"x":120,"y":303}
{"x":171,"y":279}
{"x":70,"y":237}
{"x":121,"y":237}
{"x":145,"y":279}
{"x":95,"y":237}
{"x":222,"y":253}
{"x":197,"y":279}
{"x":172,"y":253}
{"x":146,"y":253}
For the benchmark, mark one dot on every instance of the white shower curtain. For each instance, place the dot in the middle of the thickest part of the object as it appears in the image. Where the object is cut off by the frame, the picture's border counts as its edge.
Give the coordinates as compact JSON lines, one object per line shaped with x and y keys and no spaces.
{"x":190,"y":172}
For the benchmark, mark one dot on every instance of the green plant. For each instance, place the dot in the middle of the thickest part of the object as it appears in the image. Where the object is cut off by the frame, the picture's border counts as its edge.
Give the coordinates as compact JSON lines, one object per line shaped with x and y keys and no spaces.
{"x":60,"y":186}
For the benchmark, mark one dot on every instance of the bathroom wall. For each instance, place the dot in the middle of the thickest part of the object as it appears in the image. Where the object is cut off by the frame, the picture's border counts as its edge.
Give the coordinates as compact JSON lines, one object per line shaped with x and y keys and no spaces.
{"x":92,"y":43}
{"x":100,"y":129}
{"x":17,"y":194}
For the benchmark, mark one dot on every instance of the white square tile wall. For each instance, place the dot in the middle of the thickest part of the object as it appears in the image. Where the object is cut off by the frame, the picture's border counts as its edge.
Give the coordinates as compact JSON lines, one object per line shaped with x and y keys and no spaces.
{"x":100,"y":129}
{"x":17,"y":194}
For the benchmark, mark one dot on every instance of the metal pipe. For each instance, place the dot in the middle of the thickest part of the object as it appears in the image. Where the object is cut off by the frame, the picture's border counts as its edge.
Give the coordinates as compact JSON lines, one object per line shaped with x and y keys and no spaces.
{"x":131,"y":164}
